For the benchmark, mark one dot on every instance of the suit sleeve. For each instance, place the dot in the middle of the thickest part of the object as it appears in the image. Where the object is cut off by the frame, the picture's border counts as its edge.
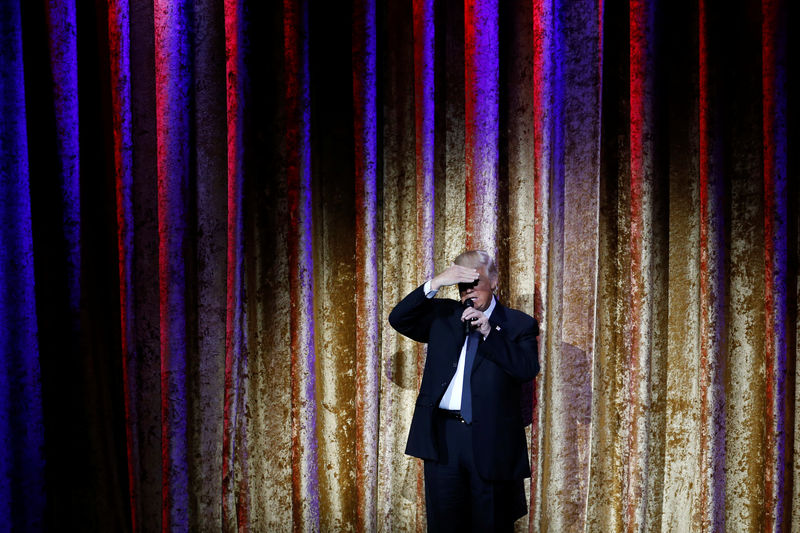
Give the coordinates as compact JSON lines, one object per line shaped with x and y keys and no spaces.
{"x":414,"y":315}
{"x":517,"y":355}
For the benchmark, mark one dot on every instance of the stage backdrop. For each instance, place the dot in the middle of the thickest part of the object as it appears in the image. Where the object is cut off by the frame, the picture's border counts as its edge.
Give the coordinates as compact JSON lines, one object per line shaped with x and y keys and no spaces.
{"x":209,"y":208}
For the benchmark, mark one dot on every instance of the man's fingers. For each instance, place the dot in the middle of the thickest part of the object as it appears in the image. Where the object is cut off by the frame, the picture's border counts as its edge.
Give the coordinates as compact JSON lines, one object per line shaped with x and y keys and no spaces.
{"x":456,"y":274}
{"x":470,"y":313}
{"x":465,"y":271}
{"x":465,"y":274}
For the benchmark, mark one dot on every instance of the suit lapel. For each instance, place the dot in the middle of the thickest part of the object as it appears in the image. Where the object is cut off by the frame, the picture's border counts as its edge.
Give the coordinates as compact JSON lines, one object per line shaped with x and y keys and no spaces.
{"x":498,"y":317}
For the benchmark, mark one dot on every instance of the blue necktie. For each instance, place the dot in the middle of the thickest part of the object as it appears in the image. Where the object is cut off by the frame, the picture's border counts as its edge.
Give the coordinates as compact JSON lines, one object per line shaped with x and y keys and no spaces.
{"x":466,"y":389}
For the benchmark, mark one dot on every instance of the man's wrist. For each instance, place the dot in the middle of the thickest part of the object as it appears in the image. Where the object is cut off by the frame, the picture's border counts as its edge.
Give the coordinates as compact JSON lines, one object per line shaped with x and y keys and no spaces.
{"x":430,"y":292}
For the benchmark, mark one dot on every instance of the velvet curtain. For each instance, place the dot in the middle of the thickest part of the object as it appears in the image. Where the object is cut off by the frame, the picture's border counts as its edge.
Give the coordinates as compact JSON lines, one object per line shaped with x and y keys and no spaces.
{"x":209,"y":208}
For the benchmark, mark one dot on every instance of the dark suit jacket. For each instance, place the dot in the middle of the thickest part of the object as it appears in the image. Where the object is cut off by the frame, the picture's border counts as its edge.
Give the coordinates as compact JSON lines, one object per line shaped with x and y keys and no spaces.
{"x":504,"y":361}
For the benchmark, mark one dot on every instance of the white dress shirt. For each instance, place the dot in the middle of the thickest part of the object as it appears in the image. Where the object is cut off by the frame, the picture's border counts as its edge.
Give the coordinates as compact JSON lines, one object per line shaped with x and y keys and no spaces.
{"x":452,"y":396}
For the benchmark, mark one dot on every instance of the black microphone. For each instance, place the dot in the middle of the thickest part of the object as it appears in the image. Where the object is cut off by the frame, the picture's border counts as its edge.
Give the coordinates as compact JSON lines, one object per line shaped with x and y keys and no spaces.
{"x":468,"y":323}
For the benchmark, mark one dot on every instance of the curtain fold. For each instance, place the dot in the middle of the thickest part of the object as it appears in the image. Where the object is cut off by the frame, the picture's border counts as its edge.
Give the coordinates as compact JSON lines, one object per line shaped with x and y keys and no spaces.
{"x":22,"y":483}
{"x":481,"y":121}
{"x":210,"y":208}
{"x":305,"y":478}
{"x":543,"y":38}
{"x":682,"y":398}
{"x":712,"y":296}
{"x":120,"y":86}
{"x":235,"y":474}
{"x":773,"y":88}
{"x":400,"y":490}
{"x":218,"y":174}
{"x":173,"y":79}
{"x":367,"y":248}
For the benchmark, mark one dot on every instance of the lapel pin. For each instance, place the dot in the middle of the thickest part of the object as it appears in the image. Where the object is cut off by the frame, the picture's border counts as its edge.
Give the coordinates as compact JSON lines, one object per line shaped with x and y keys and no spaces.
{"x":497,"y":328}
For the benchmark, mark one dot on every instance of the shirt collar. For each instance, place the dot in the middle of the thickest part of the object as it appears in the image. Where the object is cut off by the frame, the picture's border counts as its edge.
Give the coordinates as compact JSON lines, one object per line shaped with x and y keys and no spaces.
{"x":491,"y":307}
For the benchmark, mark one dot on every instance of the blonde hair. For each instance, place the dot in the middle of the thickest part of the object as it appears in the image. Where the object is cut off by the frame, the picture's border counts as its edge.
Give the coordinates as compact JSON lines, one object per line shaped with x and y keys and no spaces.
{"x":478,"y":258}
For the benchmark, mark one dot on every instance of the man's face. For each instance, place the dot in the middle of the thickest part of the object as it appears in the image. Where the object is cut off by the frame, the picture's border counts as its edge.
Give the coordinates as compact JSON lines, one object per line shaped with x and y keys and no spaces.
{"x":480,"y":292}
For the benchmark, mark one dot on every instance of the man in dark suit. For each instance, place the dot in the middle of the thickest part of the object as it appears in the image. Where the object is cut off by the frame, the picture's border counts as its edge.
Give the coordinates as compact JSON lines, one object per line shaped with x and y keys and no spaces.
{"x":467,"y":424}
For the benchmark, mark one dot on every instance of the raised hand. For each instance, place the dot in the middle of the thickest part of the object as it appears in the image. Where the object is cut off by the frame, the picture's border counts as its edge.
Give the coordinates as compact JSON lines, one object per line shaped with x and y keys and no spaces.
{"x":453,"y":275}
